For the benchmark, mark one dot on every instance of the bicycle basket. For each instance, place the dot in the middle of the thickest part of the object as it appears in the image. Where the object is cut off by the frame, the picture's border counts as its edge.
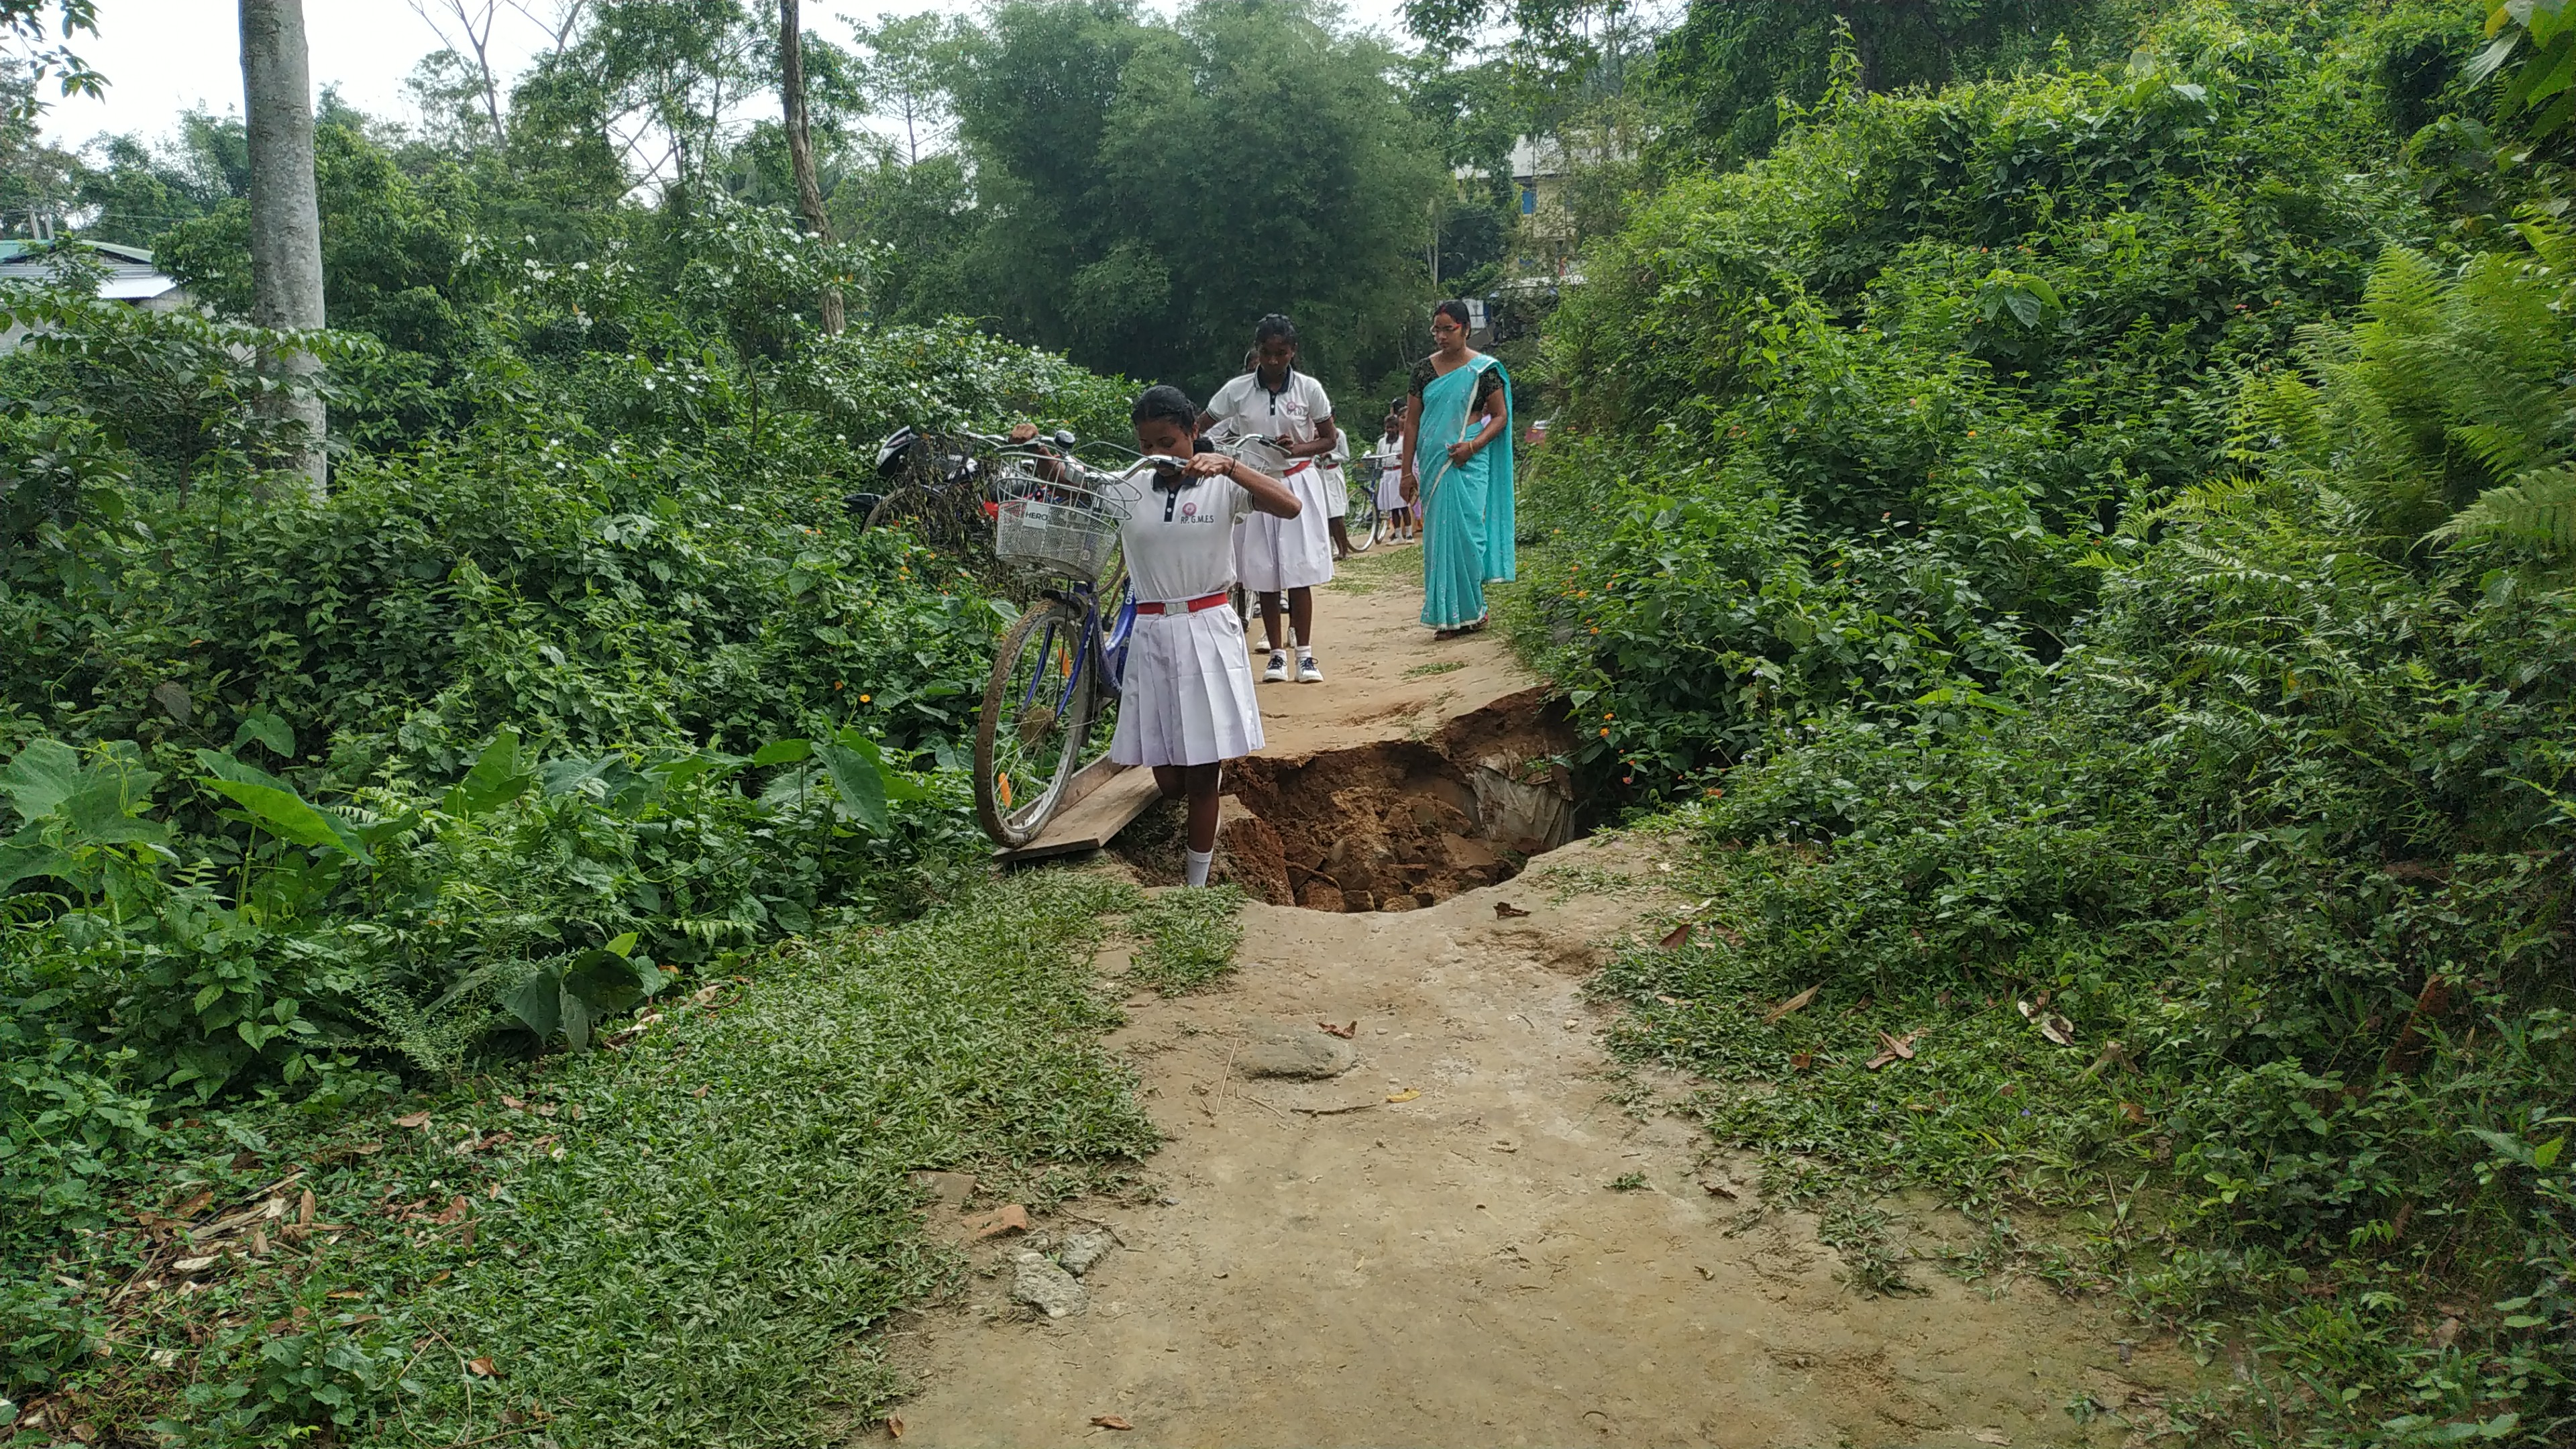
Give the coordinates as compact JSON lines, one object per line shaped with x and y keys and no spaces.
{"x":1056,"y":527}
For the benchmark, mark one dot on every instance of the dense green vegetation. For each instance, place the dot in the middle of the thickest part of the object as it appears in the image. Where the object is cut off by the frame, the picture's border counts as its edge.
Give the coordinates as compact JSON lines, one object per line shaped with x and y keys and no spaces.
{"x":579,"y":685}
{"x":2071,"y":504}
{"x":2092,"y":548}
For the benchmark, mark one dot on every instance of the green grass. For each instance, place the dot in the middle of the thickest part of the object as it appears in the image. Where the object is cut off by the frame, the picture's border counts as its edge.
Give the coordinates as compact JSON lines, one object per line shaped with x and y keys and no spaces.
{"x":1378,"y":568}
{"x":1189,"y":938}
{"x":1439,"y":666}
{"x":698,"y":1258}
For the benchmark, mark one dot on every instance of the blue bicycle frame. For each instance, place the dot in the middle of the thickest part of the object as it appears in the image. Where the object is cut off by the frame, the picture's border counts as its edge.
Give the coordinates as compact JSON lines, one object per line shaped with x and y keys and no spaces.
{"x":1104,"y":648}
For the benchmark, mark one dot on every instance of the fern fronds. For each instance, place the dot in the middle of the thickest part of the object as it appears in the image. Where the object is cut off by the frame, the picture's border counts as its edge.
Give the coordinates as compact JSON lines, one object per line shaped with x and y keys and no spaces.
{"x":2535,"y":512}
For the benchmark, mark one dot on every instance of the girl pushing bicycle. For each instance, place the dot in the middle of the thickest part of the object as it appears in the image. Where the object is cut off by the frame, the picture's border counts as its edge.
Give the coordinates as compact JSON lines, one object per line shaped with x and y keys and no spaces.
{"x":1187,"y":702}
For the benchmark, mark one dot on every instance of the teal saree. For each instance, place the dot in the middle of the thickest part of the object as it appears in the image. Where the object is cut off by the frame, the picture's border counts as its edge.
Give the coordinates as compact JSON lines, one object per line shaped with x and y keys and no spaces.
{"x":1466,"y":507}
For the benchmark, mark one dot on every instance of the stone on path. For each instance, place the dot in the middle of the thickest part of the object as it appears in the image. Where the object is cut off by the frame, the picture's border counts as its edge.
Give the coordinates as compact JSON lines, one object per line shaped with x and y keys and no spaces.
{"x":1045,"y":1287}
{"x":951,"y":1188}
{"x":1292,"y":1049}
{"x":1084,"y":1247}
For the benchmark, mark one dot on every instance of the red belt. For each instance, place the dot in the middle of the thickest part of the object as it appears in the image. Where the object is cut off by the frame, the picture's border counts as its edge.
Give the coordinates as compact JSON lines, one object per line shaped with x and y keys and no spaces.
{"x":1204,"y":601}
{"x":1300,"y":466}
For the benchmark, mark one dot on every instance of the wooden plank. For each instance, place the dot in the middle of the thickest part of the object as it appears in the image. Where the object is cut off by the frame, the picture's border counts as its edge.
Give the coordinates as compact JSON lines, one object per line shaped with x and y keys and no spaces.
{"x":1085,"y":780}
{"x":1092,"y":823}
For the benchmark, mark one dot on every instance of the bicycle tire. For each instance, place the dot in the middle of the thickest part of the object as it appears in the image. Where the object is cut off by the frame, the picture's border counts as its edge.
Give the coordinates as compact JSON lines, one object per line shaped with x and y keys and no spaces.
{"x":1018,"y":734}
{"x":1363,"y":505}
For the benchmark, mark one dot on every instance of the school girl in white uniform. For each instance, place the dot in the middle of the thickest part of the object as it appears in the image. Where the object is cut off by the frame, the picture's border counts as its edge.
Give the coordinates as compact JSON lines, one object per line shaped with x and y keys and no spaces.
{"x":1285,"y":556}
{"x":1186,"y":702}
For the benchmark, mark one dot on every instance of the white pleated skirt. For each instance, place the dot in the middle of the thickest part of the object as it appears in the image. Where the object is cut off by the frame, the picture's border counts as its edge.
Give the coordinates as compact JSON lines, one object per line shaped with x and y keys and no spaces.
{"x":1187,"y":695}
{"x":1271,"y":554}
{"x":1390,"y":490}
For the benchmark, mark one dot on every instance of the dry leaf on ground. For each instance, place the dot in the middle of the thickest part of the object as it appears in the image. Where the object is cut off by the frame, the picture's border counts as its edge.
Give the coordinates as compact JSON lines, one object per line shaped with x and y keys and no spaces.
{"x":1800,"y":1061}
{"x":894,"y":1427}
{"x":482,"y":1367}
{"x":1892,"y":1049}
{"x":1676,"y":937}
{"x":1794,"y":1003}
{"x":1992,"y":1436}
{"x":412,"y":1119}
{"x":1109,"y":1421}
{"x":1506,"y":911}
{"x":1407,"y":1095}
{"x":513,"y":1103}
{"x":1344,"y":1032}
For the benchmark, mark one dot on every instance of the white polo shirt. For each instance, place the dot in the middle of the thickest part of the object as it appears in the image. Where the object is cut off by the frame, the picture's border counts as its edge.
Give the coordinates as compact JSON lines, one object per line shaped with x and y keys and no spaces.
{"x":1180,"y":542}
{"x":1292,"y":413}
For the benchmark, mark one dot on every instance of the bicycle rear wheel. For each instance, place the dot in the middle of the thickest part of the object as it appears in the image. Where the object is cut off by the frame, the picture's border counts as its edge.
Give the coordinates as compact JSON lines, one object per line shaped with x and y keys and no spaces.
{"x":1364,"y":525}
{"x":1037,"y":711}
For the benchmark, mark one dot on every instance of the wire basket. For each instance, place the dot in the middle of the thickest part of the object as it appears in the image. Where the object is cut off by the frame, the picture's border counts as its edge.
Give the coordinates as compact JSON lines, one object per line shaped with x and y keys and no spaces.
{"x":1055,"y":527}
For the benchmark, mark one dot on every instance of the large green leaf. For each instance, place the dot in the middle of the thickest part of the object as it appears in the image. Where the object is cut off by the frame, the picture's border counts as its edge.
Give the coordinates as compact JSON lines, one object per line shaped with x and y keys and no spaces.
{"x":498,"y":776}
{"x":782,"y":752}
{"x":41,"y":777}
{"x":269,"y":730}
{"x":537,"y":1002}
{"x":104,"y":810}
{"x":276,"y":806}
{"x":27,"y":858}
{"x":860,"y":782}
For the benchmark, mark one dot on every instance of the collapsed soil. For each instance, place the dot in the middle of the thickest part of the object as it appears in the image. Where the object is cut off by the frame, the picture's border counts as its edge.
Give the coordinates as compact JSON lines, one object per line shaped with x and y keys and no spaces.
{"x":1392,"y":826}
{"x":1462,"y":1239}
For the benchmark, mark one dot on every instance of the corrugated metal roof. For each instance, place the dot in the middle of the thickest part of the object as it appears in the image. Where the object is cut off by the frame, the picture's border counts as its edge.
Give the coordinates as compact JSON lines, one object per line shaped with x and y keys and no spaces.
{"x":131,"y":277}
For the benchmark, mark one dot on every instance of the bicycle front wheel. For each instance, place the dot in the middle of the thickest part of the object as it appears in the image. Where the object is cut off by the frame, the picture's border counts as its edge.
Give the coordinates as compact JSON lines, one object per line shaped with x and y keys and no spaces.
{"x":1037,"y":712}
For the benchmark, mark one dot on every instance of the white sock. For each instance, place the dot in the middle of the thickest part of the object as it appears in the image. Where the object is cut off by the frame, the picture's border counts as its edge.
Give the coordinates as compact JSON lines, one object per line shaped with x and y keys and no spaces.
{"x":1304,"y":653}
{"x":1199,"y":861}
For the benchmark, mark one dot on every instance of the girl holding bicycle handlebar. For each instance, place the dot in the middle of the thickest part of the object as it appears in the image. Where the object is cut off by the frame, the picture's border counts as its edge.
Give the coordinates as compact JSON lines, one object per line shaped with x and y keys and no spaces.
{"x":1186,"y":703}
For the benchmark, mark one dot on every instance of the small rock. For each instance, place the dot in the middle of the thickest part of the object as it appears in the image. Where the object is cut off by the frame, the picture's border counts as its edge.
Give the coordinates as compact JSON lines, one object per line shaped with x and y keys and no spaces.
{"x":1045,"y":1287}
{"x":1293,"y":1049}
{"x":1084,"y":1247}
{"x":950,"y":1188}
{"x":1320,"y":897}
{"x":1009,"y":1218}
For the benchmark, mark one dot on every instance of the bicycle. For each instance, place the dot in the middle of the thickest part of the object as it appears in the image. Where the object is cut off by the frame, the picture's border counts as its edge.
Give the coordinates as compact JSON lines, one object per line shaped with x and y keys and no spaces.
{"x":941,"y":489}
{"x":1362,"y":493}
{"x":1057,"y":672}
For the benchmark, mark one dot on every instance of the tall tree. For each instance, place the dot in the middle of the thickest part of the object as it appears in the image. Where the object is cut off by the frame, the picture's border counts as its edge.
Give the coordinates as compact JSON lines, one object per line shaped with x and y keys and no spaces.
{"x":1149,"y":188}
{"x":22,"y":32}
{"x":285,"y":218}
{"x":800,"y":144}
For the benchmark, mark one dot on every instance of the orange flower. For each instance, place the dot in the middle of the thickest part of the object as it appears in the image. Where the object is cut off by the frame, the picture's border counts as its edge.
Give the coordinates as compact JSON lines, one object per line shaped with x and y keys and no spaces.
{"x":866,"y":698}
{"x":1605,"y":734}
{"x":836,"y":684}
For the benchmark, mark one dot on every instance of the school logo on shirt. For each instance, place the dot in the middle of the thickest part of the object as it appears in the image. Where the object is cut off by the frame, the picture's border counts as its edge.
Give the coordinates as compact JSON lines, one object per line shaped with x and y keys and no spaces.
{"x":1189,"y":510}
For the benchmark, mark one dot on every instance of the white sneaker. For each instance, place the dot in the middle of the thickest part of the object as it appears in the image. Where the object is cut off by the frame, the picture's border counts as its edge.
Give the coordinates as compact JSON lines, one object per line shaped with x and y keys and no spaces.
{"x":1307,"y":673}
{"x":1277,"y":673}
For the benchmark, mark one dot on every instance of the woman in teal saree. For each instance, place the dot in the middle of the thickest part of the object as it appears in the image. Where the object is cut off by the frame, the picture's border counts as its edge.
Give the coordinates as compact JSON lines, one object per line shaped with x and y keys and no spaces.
{"x":1458,"y":469}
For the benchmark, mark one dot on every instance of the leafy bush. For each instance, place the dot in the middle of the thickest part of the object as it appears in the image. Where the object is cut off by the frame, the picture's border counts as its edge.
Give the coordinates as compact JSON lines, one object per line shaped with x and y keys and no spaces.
{"x":2094,"y":566}
{"x":580,"y":678}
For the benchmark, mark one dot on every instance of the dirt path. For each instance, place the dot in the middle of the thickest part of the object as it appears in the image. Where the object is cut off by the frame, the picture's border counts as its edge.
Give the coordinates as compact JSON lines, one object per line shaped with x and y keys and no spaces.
{"x":1330,"y":1265}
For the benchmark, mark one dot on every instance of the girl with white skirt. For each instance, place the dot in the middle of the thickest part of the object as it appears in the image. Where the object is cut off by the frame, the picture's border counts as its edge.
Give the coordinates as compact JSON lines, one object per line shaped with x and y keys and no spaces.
{"x":1186,"y":704}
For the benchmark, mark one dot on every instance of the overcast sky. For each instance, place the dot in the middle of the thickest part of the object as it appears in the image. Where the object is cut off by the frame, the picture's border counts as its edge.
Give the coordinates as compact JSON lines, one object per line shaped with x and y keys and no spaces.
{"x":162,"y":57}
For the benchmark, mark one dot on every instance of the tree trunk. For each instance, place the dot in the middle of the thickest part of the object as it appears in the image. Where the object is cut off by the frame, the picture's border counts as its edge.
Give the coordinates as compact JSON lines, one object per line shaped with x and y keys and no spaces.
{"x":285,"y":220}
{"x":800,"y":145}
